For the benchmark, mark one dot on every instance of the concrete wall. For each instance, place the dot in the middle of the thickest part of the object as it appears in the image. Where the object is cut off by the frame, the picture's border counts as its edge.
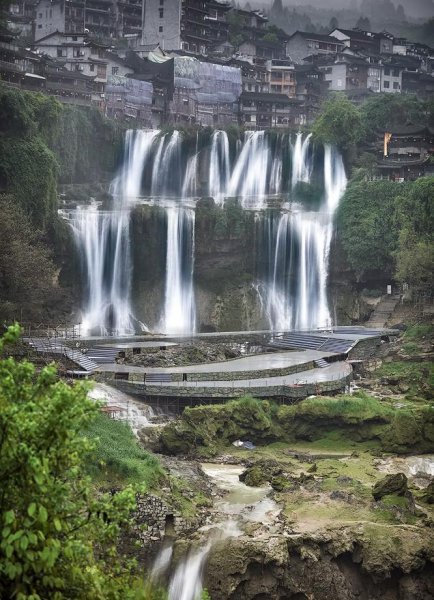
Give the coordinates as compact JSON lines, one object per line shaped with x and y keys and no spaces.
{"x":337,"y":77}
{"x":297,"y":49}
{"x":165,"y":30}
{"x":50,"y":17}
{"x":190,"y":394}
{"x":391,"y":80}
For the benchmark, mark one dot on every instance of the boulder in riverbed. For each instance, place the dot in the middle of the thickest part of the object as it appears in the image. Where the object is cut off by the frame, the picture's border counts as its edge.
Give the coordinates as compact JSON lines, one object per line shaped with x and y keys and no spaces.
{"x":395,"y":483}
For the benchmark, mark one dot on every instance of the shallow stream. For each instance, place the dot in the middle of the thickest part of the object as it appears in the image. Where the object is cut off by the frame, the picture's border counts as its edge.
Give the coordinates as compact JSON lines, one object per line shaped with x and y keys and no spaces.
{"x":238,"y":505}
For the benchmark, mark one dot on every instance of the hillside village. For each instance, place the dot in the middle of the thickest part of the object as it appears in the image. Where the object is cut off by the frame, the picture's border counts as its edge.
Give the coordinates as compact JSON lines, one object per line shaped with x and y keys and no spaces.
{"x":206,"y":63}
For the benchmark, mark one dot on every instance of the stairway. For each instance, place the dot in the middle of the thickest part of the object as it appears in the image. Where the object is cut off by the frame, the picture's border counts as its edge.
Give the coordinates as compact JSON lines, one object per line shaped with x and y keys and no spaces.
{"x":55,"y":346}
{"x":321,"y":363}
{"x":158,"y":378}
{"x":103,"y":355}
{"x":304,"y":341}
{"x":382,"y":312}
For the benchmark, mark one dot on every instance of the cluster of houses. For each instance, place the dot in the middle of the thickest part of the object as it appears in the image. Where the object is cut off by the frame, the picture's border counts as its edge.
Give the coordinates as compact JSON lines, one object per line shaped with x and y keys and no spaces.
{"x":199,"y":61}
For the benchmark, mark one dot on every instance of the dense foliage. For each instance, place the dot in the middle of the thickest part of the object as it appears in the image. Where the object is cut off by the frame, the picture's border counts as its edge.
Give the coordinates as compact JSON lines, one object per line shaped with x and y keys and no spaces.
{"x":367,"y":221}
{"x":23,"y":255}
{"x":415,"y":252}
{"x":28,"y":169}
{"x":86,"y":145}
{"x":387,"y":227}
{"x":384,"y":112}
{"x":58,"y":538}
{"x":43,"y":142}
{"x":207,"y":430}
{"x":339,"y":123}
{"x":345,"y":125}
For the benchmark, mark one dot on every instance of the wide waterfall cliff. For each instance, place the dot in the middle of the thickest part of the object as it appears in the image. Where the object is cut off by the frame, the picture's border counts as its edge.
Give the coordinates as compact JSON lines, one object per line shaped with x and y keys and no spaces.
{"x":211,"y":233}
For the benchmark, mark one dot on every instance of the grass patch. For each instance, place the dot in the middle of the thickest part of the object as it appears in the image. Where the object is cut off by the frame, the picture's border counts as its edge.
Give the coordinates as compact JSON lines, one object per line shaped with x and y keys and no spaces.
{"x":411,"y":348}
{"x":349,"y":409}
{"x":117,"y":457}
{"x":419,"y":332}
{"x":418,"y":375}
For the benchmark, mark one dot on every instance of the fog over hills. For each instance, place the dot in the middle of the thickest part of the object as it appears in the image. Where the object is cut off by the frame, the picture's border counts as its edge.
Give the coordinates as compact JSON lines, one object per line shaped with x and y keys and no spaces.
{"x":413,"y":9}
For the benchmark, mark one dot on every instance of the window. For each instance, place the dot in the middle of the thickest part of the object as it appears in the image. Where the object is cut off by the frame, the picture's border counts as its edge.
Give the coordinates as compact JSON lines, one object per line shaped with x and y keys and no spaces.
{"x":161,"y":11}
{"x":39,"y":15}
{"x":395,"y":72}
{"x":39,"y":26}
{"x":160,"y":29}
{"x":92,"y":68}
{"x":386,"y":84}
{"x":395,"y":85}
{"x":51,"y":13}
{"x":74,"y":38}
{"x":387,"y":71}
{"x":115,"y":70}
{"x":161,"y":2}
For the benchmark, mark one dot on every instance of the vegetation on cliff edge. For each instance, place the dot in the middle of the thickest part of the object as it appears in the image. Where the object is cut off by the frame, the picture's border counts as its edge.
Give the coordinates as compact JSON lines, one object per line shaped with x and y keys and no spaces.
{"x":205,"y":430}
{"x":59,"y":539}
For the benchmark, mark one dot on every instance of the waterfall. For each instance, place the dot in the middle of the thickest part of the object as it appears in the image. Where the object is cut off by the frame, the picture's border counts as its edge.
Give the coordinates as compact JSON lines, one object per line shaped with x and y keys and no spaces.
{"x":295,"y":241}
{"x":186,"y":583}
{"x":162,"y":562}
{"x":179,"y":306}
{"x":103,"y":241}
{"x":189,"y":187}
{"x":155,"y":177}
{"x":276,"y":176}
{"x":297,"y":246}
{"x":300,"y":164}
{"x":250,"y":174}
{"x":166,"y":167}
{"x":219,"y":166}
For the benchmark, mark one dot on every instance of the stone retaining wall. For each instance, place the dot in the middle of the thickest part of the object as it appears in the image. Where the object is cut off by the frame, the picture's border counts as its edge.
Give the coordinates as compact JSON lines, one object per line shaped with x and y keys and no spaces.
{"x":365,"y":349}
{"x":154,"y":519}
{"x":107,"y":376}
{"x":283,"y":391}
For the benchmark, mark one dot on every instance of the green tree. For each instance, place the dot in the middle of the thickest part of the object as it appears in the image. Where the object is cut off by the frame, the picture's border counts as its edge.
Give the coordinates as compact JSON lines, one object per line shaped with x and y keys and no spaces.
{"x":58,"y":539}
{"x":367,"y":225}
{"x":333,"y":24}
{"x":415,"y":252}
{"x":23,"y":254}
{"x":270,"y":36}
{"x":363,"y":23}
{"x":384,"y":112}
{"x":338,"y":123}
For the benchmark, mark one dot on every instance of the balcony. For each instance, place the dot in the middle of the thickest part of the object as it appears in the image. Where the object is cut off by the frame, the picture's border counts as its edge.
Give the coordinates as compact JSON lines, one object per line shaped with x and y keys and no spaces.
{"x":14,"y":67}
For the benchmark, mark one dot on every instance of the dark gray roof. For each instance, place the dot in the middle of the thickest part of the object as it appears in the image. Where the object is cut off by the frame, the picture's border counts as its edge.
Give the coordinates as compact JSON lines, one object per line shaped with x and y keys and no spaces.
{"x":317,"y":36}
{"x":266,"y":97}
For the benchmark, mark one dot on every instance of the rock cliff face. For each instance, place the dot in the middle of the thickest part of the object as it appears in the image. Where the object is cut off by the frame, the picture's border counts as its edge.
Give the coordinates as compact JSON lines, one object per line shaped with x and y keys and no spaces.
{"x":345,"y":563}
{"x":226,"y":263}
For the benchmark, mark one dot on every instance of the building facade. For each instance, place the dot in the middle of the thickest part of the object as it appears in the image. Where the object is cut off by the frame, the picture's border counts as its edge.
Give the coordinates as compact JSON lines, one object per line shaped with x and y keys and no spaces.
{"x":301,"y":44}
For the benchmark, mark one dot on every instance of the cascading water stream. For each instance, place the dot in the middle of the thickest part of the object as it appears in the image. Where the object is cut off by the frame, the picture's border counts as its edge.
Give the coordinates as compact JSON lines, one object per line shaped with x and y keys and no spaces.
{"x":166,"y":167}
{"x":240,"y":504}
{"x":296,"y":243}
{"x":296,"y":286}
{"x":301,"y":169}
{"x":189,"y":186}
{"x":103,"y":241}
{"x":179,"y":305}
{"x":249,"y":179}
{"x":219,"y":166}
